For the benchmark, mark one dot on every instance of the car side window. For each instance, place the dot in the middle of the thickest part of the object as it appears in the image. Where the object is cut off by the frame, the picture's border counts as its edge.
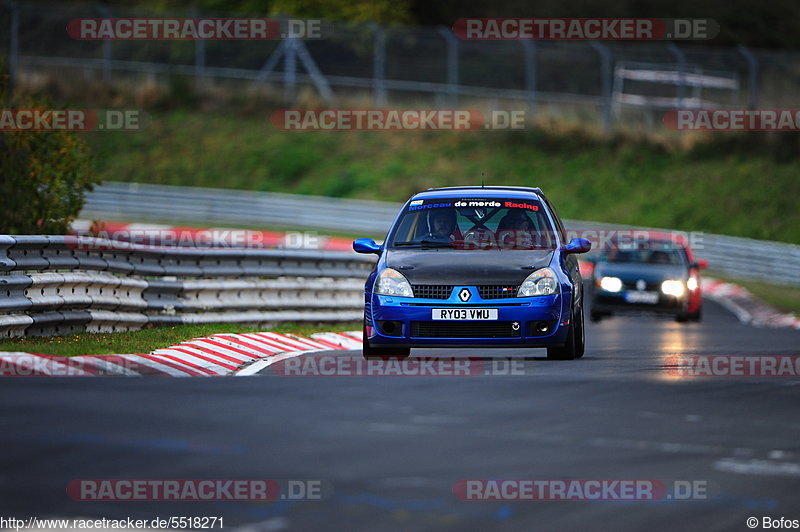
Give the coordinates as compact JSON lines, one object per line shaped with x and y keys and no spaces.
{"x":557,"y":219}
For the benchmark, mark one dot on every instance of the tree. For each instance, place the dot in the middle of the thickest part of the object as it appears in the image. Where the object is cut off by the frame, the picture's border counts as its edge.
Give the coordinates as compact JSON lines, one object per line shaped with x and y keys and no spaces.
{"x":43,"y":175}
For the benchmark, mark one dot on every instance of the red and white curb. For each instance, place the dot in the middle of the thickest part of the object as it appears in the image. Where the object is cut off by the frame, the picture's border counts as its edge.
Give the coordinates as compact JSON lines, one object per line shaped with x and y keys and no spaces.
{"x":216,"y":355}
{"x":745,"y":306}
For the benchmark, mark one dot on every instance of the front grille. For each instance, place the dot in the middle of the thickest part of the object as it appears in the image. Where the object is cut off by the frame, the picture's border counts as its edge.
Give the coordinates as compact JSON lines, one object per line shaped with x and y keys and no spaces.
{"x":497,"y":291}
{"x":471,"y":329}
{"x":432,"y":291}
{"x":443,"y":291}
{"x":650,"y":287}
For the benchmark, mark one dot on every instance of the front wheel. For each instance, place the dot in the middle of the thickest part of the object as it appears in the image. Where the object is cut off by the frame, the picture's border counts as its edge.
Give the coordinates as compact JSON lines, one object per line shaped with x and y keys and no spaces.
{"x":382,"y":353}
{"x":572,"y":348}
{"x":580,"y":337}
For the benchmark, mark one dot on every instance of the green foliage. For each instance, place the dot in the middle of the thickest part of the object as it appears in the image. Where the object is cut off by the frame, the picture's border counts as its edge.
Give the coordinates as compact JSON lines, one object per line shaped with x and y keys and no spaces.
{"x":770,"y":24}
{"x":745,"y":186}
{"x":43,"y":176}
{"x":383,"y":11}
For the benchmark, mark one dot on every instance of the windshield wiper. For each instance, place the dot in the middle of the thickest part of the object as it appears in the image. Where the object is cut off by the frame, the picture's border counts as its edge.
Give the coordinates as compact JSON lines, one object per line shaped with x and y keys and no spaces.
{"x":425,"y":243}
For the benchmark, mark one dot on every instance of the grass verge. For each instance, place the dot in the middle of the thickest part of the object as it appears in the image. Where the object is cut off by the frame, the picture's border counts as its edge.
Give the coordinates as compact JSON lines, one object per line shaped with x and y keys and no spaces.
{"x":729,"y":184}
{"x":784,"y":298}
{"x":147,"y":340}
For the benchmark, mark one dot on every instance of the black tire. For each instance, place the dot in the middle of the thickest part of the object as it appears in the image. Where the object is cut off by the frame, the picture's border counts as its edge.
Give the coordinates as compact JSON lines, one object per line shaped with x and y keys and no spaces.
{"x":580,"y":337}
{"x":377,"y":353}
{"x":696,"y":316}
{"x":569,"y":350}
{"x":681,"y":317}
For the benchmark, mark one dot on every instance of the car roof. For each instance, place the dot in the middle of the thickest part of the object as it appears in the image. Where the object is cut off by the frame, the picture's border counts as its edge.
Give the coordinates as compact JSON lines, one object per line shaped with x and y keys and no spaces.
{"x":488,"y":192}
{"x":658,"y":237}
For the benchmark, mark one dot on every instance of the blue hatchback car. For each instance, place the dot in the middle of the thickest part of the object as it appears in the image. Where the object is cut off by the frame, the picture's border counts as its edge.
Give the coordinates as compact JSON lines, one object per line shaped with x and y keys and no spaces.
{"x":475,"y":267}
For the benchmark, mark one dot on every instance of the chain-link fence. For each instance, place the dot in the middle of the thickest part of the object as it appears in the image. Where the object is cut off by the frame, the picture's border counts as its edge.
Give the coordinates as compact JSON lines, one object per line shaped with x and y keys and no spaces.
{"x":598,"y":82}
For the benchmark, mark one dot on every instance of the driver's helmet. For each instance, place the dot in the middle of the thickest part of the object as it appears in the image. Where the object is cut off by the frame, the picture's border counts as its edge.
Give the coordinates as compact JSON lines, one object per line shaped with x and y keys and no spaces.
{"x":446,"y":219}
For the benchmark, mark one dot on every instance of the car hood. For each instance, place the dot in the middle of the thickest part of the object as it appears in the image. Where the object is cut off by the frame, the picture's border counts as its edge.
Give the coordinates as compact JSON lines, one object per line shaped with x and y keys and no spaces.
{"x":445,"y":266}
{"x":646,"y":272}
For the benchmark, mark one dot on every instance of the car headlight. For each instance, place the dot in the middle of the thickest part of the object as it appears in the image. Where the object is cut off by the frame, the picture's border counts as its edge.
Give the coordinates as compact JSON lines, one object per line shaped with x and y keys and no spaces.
{"x":611,"y":284}
{"x":540,"y":283}
{"x":691,"y":284}
{"x":393,"y":283}
{"x":673,"y":288}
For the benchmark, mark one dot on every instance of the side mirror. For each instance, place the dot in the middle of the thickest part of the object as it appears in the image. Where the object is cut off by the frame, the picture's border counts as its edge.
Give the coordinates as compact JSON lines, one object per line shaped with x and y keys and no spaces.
{"x":366,"y":245}
{"x":701,"y":264}
{"x":578,"y":245}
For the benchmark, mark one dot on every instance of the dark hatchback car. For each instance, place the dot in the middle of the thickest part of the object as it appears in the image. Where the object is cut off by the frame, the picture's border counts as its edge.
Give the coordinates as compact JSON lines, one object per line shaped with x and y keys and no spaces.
{"x":657,"y":276}
{"x":475,"y":267}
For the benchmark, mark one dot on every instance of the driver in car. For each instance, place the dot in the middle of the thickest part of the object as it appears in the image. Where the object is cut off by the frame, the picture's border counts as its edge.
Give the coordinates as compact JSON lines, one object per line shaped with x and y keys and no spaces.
{"x":515,"y":230}
{"x":443,"y":225}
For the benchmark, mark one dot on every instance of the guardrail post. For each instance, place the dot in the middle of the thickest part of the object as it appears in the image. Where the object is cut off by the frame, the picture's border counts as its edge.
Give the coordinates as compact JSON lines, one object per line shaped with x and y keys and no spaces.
{"x":452,"y":64}
{"x":606,"y":60}
{"x":529,"y":49}
{"x":680,"y":57}
{"x":379,"y":66}
{"x":752,"y":63}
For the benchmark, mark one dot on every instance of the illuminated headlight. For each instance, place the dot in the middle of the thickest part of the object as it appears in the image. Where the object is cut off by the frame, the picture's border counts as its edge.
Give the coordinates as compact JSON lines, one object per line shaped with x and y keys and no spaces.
{"x":691,"y":284}
{"x":540,"y":283}
{"x":673,"y":288}
{"x":392,"y":283}
{"x":611,"y":284}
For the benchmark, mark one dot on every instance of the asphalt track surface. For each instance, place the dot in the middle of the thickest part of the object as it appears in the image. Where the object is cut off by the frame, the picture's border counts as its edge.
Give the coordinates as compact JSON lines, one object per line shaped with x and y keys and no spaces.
{"x":393,"y":447}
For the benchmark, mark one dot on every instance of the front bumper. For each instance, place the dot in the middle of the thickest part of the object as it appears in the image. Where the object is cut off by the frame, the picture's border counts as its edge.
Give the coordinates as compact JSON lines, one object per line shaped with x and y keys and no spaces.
{"x":519,"y":322}
{"x":603,"y":301}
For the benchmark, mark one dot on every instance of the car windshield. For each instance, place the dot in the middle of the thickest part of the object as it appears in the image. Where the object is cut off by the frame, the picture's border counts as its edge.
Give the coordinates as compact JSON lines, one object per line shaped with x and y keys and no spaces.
{"x":653,"y":253}
{"x":473,"y":224}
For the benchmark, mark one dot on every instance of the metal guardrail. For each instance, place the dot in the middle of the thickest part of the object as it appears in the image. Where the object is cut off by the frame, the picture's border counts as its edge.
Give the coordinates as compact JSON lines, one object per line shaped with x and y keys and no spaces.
{"x":775,"y":262}
{"x":162,"y":203}
{"x":60,"y":284}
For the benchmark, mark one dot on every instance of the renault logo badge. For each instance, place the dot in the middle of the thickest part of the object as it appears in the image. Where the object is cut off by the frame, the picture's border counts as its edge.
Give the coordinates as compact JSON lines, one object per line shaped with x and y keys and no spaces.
{"x":464,"y":295}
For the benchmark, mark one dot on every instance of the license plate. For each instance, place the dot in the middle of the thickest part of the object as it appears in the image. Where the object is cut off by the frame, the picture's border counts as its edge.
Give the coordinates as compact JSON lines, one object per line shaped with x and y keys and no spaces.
{"x":467,"y":314}
{"x":642,"y":297}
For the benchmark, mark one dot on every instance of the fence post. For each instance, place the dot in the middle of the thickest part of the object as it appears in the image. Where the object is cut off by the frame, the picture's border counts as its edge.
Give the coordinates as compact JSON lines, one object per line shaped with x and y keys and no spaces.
{"x":680,"y":57}
{"x":289,"y":70}
{"x":13,"y":50}
{"x":529,"y":49}
{"x":452,"y":64}
{"x":105,"y":13}
{"x":752,"y":63}
{"x":379,"y":66}
{"x":606,"y":64}
{"x":199,"y":56}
